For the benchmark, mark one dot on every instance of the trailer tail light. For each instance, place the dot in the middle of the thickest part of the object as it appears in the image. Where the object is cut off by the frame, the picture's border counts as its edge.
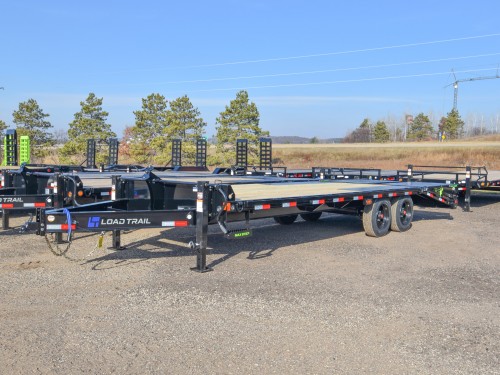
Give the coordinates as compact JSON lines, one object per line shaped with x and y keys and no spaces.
{"x":289,"y":204}
{"x":368,"y":201}
{"x":262,"y":207}
{"x":227,"y":207}
{"x":80,"y":193}
{"x":7,"y":205}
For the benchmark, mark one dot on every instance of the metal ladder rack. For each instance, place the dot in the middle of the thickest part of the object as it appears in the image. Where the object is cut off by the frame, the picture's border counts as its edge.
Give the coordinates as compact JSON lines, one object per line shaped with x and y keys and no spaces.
{"x":10,"y":147}
{"x":113,"y":151}
{"x":176,"y":152}
{"x":201,"y":153}
{"x":266,"y":153}
{"x":91,"y":153}
{"x":241,"y":152}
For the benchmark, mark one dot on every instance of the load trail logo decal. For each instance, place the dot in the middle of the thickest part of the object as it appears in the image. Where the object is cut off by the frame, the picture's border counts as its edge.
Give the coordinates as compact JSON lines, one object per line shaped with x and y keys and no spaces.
{"x":11,"y":200}
{"x":97,"y":221}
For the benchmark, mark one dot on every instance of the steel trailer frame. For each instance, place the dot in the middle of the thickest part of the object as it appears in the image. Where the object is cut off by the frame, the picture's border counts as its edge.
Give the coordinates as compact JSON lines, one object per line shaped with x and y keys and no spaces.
{"x":151,"y":202}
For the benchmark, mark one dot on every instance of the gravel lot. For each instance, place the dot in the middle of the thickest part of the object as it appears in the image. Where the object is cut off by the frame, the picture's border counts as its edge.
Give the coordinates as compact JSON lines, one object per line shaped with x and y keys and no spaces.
{"x":311,"y":298}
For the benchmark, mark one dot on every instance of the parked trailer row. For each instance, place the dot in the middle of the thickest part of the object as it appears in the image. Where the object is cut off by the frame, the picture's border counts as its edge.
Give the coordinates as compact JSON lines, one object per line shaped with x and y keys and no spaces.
{"x":154,"y":202}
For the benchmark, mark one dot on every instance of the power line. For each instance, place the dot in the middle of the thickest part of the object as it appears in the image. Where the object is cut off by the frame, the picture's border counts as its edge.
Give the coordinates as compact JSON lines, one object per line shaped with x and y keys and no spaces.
{"x":340,"y":81}
{"x":312,"y":55}
{"x":327,"y":70}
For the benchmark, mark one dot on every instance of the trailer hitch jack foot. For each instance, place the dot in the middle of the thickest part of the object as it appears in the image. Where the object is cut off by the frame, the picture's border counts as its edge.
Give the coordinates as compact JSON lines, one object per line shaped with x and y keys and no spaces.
{"x":201,"y":260}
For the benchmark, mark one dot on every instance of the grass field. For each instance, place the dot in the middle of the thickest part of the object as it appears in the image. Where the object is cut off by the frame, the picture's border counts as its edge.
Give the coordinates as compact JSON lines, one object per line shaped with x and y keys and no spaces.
{"x":389,"y":156}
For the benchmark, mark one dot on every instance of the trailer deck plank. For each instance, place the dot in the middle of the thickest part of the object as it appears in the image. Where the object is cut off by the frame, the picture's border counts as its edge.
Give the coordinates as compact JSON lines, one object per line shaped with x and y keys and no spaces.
{"x":301,"y":189}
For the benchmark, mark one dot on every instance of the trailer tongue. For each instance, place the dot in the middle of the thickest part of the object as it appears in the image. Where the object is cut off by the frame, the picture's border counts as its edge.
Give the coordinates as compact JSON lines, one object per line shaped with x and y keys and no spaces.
{"x":153,"y":202}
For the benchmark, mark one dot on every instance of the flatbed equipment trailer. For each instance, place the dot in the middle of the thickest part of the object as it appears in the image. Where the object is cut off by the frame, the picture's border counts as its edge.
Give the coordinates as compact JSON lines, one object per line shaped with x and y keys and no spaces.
{"x":153,"y":202}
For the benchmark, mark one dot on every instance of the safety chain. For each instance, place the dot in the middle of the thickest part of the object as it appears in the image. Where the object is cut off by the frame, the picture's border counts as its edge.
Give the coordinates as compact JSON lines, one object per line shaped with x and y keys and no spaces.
{"x":64,"y":252}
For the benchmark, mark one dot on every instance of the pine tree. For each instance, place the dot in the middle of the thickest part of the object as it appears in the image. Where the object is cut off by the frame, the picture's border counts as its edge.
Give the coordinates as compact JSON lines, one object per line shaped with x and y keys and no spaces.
{"x":421,"y":128}
{"x":381,"y":133}
{"x":88,"y":123}
{"x":3,"y":126}
{"x":239,"y":120}
{"x":150,"y":134}
{"x":453,"y":125}
{"x":31,"y":121}
{"x":185,"y":123}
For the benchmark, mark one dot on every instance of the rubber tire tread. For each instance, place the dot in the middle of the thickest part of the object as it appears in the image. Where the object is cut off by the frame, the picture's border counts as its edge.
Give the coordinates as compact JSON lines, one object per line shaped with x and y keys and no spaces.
{"x":370,"y":219}
{"x":285,"y":220}
{"x":396,"y":224}
{"x":312,"y":216}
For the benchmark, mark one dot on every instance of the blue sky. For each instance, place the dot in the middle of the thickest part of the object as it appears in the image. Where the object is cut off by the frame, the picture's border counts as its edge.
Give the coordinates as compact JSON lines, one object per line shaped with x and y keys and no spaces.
{"x":314,"y":68}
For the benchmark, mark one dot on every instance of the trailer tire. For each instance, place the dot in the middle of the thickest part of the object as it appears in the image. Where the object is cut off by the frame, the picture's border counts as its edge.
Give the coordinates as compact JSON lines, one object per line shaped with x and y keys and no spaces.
{"x":377,"y":218}
{"x":401,"y":214}
{"x":285,"y":220}
{"x":311,"y":216}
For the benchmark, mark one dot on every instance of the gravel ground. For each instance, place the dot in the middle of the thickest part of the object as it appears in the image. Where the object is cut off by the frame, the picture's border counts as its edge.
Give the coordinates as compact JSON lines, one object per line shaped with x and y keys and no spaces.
{"x":311,"y":298}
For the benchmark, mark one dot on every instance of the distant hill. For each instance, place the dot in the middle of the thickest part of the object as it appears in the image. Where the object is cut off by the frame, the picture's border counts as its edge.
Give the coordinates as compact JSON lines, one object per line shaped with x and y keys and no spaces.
{"x":291,"y":139}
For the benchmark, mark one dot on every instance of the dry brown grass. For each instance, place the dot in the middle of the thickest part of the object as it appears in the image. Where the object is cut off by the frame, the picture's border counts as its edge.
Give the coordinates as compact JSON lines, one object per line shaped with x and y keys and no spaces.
{"x":389,"y":156}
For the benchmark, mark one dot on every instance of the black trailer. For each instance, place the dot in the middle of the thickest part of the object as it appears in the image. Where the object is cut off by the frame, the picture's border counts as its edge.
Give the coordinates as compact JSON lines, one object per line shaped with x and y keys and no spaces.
{"x":153,"y":202}
{"x":36,"y":186}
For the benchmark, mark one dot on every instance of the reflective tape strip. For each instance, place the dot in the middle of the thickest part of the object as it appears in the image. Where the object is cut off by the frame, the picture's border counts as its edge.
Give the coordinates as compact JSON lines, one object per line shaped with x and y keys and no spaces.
{"x":60,"y":226}
{"x":289,"y":204}
{"x":378,"y":196}
{"x":358,"y":198}
{"x":393,"y":194}
{"x":409,"y":193}
{"x":335,"y":200}
{"x":318,"y":201}
{"x":7,"y":205}
{"x":180,"y":223}
{"x":106,"y":193}
{"x":262,"y":207}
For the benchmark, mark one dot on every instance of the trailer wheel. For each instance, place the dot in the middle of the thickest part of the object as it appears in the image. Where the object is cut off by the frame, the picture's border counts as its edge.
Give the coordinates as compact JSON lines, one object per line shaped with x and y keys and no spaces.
{"x":401,"y":214}
{"x":312,"y":216}
{"x":285,"y":220}
{"x":377,"y":218}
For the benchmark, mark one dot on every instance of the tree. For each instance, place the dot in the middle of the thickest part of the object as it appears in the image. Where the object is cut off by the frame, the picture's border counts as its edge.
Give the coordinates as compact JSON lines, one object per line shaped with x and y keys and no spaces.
{"x":89,"y":122}
{"x":314,"y":140}
{"x":381,"y":133}
{"x":452,"y":125}
{"x":421,"y":128}
{"x":239,"y":120}
{"x":148,"y":138}
{"x":185,"y":122}
{"x":3,"y":126}
{"x":362,"y":134}
{"x":31,"y":121}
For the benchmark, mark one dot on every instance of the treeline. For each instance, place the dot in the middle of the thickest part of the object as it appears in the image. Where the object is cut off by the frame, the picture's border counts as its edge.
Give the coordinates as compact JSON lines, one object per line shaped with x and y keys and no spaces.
{"x":422,"y":127}
{"x":157,"y":122}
